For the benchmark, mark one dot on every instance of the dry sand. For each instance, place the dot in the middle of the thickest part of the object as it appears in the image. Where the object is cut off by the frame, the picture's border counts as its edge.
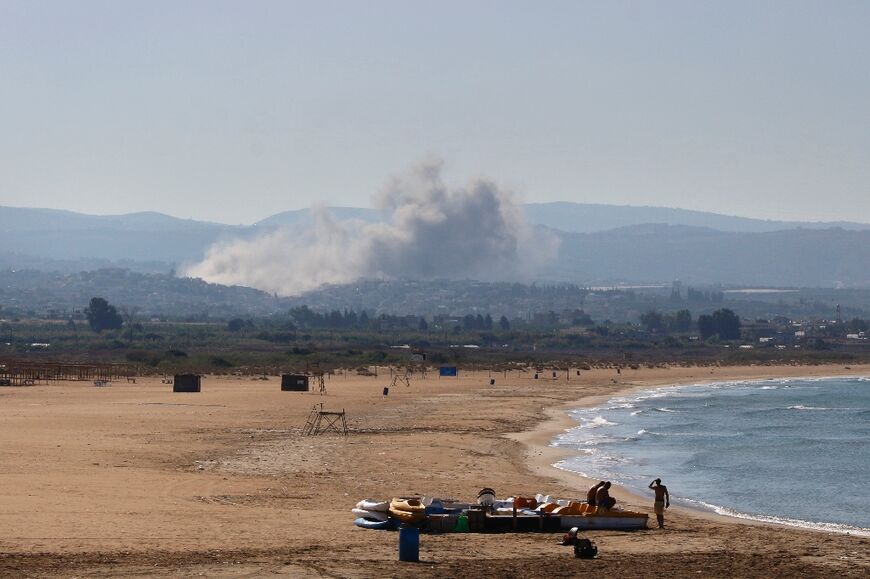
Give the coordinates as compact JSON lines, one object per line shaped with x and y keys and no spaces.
{"x":134,"y":480}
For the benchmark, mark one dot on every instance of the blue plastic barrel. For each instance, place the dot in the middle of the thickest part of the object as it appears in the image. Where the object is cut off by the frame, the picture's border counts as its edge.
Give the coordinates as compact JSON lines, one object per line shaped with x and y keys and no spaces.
{"x":409,"y":544}
{"x":386,"y":390}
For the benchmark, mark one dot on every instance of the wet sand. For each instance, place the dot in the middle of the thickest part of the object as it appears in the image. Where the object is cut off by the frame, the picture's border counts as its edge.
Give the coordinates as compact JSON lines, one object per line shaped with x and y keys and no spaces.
{"x":135,"y":480}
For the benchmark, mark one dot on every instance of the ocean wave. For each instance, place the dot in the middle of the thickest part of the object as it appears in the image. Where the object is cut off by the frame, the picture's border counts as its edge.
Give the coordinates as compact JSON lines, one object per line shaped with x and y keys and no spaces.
{"x":785,"y":418}
{"x":582,"y":443}
{"x":599,"y":440}
{"x":597,"y":422}
{"x":644,"y":431}
{"x":563,"y":465}
{"x":702,"y":389}
{"x":602,"y":468}
{"x":704,"y":435}
{"x":815,"y":525}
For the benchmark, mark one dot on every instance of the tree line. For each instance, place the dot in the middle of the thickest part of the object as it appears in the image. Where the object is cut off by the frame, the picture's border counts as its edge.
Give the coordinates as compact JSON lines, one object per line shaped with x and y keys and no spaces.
{"x":723,"y":323}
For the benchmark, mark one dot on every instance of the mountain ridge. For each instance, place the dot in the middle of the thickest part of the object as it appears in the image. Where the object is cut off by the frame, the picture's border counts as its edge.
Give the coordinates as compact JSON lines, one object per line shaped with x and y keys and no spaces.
{"x":563,"y":215}
{"x":689,"y":247}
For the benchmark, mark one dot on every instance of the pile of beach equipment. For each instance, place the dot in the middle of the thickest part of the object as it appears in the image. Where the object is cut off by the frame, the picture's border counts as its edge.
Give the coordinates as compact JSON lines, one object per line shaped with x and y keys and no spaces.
{"x":489,"y":514}
{"x":386,"y":515}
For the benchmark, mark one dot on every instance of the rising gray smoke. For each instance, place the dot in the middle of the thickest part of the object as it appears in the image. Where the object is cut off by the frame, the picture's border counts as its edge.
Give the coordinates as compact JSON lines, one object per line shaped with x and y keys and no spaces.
{"x":477,"y":232}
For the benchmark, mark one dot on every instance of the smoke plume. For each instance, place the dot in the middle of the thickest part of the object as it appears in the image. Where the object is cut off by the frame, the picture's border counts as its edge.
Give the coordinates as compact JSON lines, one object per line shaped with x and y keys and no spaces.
{"x":430,"y":231}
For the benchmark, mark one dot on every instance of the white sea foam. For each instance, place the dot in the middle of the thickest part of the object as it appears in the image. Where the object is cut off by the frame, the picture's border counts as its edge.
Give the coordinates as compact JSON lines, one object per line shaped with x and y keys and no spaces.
{"x":601,"y":430}
{"x":597,"y":422}
{"x":818,"y":526}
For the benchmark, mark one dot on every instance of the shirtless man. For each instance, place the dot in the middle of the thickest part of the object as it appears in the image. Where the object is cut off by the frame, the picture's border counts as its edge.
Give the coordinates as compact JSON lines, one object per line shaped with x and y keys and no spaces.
{"x":663,"y":500}
{"x":603,"y":498}
{"x":590,"y":496}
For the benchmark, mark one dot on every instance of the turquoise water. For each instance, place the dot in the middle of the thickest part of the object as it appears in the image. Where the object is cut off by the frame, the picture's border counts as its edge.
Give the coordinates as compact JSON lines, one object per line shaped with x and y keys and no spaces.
{"x":793,"y":451}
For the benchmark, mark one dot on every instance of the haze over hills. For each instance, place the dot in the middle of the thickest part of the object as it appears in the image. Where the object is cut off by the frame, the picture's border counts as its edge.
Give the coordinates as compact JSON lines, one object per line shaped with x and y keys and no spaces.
{"x":28,"y":237}
{"x":595,"y":217}
{"x":28,"y":219}
{"x":591,"y":218}
{"x":643,"y":253}
{"x":597,"y":243}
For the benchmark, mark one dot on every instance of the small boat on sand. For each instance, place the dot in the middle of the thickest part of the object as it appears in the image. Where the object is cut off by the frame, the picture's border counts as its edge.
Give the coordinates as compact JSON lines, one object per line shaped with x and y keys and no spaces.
{"x":612,"y":520}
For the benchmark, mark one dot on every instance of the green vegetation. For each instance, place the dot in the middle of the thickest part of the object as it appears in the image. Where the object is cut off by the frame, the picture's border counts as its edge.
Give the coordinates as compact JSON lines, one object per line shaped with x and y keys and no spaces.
{"x":102,"y":316}
{"x":723,"y":324}
{"x":351,"y":340}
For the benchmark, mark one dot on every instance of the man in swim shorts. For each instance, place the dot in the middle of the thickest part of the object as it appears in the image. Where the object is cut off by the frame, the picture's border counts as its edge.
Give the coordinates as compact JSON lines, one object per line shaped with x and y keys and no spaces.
{"x":663,"y":500}
{"x":590,"y":496}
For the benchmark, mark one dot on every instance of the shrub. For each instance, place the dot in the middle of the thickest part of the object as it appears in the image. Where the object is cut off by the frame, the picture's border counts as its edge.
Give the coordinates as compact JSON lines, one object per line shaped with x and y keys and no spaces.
{"x":221,"y":362}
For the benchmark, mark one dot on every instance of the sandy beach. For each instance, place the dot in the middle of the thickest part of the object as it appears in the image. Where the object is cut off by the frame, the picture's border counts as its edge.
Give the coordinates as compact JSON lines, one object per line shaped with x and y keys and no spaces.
{"x":135,"y":480}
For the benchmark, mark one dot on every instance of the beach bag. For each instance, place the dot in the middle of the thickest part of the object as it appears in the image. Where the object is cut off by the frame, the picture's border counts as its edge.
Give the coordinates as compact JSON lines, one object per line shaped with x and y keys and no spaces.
{"x":570,"y":537}
{"x":585,"y":549}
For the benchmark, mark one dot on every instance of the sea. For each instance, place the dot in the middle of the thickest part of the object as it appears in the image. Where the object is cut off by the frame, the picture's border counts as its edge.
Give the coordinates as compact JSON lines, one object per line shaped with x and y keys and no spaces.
{"x":788,"y":451}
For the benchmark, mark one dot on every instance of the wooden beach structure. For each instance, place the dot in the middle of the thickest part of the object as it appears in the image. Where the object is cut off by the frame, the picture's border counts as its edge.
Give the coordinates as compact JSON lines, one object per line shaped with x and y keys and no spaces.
{"x":320,"y":421}
{"x":18,"y":372}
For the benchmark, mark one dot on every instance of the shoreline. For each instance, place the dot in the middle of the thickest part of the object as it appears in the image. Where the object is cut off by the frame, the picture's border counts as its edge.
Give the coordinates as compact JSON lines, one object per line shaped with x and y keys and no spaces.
{"x":144,"y":481}
{"x":541,"y":457}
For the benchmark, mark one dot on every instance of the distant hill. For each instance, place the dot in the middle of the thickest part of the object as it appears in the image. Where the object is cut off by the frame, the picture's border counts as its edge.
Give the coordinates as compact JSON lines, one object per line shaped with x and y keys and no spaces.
{"x":29,"y":219}
{"x":153,"y":294}
{"x":643,"y":253}
{"x":591,"y":218}
{"x":303,"y":216}
{"x":600,"y":243}
{"x":13,"y":261}
{"x":138,"y":237}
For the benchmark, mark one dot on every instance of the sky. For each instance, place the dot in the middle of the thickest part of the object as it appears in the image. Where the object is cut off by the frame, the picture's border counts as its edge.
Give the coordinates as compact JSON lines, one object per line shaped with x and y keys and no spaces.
{"x":233,"y":111}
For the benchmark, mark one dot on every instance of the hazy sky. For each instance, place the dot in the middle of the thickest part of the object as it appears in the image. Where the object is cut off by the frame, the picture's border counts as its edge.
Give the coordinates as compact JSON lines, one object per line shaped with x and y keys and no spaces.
{"x":232,"y":111}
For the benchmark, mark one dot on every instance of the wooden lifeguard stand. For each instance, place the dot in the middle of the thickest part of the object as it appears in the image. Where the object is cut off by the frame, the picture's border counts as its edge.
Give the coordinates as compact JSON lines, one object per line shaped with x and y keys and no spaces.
{"x":314,"y":371}
{"x":401,"y":377}
{"x":320,"y":421}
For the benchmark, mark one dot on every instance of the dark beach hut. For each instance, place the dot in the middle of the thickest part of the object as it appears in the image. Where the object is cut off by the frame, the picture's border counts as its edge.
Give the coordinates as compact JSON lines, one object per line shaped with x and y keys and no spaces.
{"x":294,"y":383}
{"x":187,"y":383}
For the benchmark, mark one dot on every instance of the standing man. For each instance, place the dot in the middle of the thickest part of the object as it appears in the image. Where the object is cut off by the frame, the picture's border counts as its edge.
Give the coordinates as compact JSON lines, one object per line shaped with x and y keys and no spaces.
{"x":663,"y":500}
